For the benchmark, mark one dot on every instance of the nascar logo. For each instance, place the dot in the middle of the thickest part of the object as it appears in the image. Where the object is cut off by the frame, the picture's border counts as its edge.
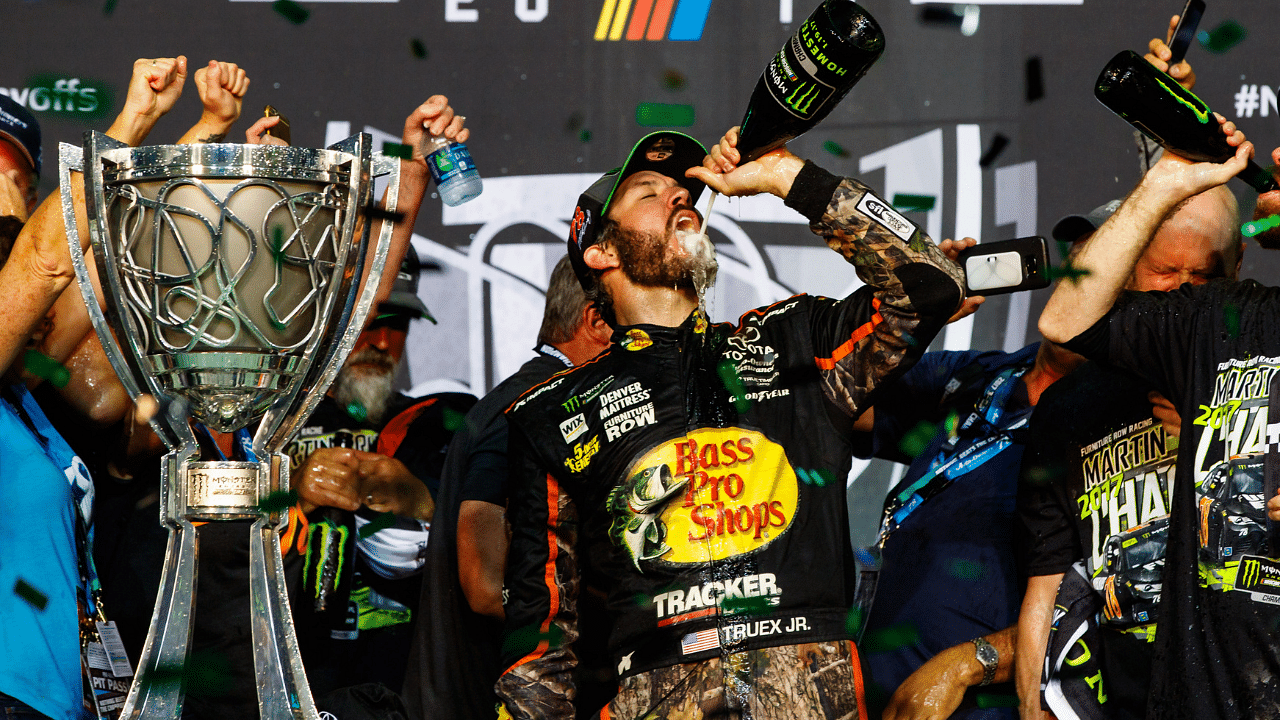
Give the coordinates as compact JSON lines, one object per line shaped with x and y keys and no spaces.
{"x":652,"y":19}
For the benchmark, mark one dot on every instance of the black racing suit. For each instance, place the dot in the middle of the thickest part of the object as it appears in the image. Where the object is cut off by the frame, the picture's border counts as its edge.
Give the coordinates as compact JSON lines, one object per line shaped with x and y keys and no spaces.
{"x":696,"y":474}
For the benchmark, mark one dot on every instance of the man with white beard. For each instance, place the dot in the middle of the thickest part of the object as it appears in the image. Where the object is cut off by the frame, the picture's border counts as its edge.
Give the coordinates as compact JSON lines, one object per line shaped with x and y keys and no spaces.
{"x":367,"y":454}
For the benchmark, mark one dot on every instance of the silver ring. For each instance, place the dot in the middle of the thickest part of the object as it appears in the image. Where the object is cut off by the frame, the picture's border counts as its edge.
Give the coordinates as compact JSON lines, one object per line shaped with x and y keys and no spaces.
{"x":368,"y":499}
{"x":463,"y":118}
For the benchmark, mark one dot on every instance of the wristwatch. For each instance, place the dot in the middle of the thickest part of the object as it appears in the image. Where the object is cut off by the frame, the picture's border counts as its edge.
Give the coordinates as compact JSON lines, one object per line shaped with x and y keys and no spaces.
{"x":989,"y":657}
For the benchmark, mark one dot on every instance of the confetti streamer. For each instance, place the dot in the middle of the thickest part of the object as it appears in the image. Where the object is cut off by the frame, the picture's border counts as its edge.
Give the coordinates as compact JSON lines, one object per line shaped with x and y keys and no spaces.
{"x":1034,"y":80}
{"x":1068,"y":270}
{"x":917,"y":439}
{"x":967,"y":569}
{"x":746,"y":605}
{"x":452,"y":419}
{"x":673,"y":80}
{"x":998,"y":144}
{"x":1222,"y":38}
{"x":395,"y":149}
{"x":382,"y":522}
{"x":32,"y":596}
{"x":894,"y":636}
{"x":109,"y":7}
{"x":205,"y":674}
{"x":279,"y":500}
{"x":835,"y":148}
{"x":357,"y":411}
{"x":418,"y":49}
{"x":729,"y":376}
{"x":43,"y":366}
{"x":1259,"y":226}
{"x":664,"y":115}
{"x":584,"y":135}
{"x":291,"y":11}
{"x":991,"y":700}
{"x":914,"y":203}
{"x":1231,"y":318}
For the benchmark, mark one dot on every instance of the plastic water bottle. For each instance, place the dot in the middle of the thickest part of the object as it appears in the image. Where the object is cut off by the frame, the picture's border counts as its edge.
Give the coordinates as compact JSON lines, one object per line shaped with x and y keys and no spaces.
{"x":452,"y":169}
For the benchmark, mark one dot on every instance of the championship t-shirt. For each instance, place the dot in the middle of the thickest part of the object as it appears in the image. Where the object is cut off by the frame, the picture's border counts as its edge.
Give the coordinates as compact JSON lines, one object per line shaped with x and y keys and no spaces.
{"x":1214,"y":351}
{"x":1095,"y":489}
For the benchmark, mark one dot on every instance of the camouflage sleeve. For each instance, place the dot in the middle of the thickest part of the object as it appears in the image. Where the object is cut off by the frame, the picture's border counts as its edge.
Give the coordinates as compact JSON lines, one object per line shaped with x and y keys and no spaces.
{"x":913,"y":288}
{"x":540,"y":593}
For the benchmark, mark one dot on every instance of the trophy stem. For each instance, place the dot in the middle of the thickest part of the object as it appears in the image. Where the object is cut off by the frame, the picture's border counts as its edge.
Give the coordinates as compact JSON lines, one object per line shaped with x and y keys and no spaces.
{"x":157,"y":692}
{"x":282,"y":682}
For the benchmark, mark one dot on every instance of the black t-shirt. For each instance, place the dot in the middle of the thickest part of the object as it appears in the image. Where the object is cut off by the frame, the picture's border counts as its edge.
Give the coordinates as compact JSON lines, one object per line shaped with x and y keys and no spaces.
{"x":1094,"y":488}
{"x":1213,"y":350}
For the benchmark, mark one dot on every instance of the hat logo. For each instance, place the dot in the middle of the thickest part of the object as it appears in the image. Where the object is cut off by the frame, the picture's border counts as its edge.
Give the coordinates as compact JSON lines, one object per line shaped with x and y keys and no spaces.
{"x":578,"y":227}
{"x":660,"y":150}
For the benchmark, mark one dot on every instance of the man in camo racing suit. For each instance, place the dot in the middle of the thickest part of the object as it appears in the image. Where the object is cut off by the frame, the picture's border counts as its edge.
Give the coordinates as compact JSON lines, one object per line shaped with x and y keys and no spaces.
{"x":695,"y":472}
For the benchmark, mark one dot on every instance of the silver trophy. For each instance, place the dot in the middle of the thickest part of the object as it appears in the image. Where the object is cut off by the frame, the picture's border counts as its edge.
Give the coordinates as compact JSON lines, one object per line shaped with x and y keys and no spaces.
{"x":230,"y":277}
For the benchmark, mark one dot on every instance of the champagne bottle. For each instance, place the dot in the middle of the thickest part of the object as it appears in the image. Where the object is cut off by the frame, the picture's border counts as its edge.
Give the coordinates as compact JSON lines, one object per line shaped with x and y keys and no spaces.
{"x":1169,"y":114}
{"x":814,"y":70}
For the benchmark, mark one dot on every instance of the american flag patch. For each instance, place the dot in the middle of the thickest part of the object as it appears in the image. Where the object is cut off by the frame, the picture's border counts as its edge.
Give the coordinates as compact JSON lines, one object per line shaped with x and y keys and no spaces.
{"x":699,"y":641}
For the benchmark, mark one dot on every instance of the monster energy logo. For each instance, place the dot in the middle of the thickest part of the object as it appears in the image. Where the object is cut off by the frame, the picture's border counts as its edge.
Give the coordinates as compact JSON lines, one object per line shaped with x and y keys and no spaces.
{"x":1201,"y":111}
{"x":801,"y":99}
{"x":1249,"y":574}
{"x":320,"y":543}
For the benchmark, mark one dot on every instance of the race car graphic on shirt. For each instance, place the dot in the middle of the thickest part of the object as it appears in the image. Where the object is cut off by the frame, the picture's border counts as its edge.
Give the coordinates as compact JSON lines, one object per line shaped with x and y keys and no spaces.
{"x":709,"y":495}
{"x":1231,"y":444}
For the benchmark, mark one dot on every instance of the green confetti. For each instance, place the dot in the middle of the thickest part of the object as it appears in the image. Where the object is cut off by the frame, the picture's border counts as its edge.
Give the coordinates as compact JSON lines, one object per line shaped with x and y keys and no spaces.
{"x":1231,"y":318}
{"x":109,"y":7}
{"x":452,"y":419}
{"x":357,"y":411}
{"x":399,"y":150}
{"x":1222,"y":38}
{"x":673,"y":80}
{"x":43,"y":366}
{"x":853,"y":622}
{"x":746,"y":606}
{"x":967,"y":569}
{"x":914,"y":442}
{"x":382,"y":522}
{"x":664,"y":115}
{"x":522,"y":640}
{"x":1259,"y":226}
{"x":835,"y":148}
{"x":815,"y":477}
{"x":952,"y":423}
{"x":1069,"y":271}
{"x":992,"y":700}
{"x":291,"y":11}
{"x":584,"y":135}
{"x":573,"y":123}
{"x":32,"y":596}
{"x":279,"y":500}
{"x":729,"y":376}
{"x":914,"y":203}
{"x":418,"y":49}
{"x":1044,"y":474}
{"x":205,"y":674}
{"x":894,"y":636}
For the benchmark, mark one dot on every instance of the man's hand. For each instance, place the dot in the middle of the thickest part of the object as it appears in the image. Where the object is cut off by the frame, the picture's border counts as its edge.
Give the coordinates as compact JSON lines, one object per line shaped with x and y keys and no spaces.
{"x":1166,"y":413}
{"x":1160,"y":55}
{"x":330,"y":477}
{"x":155,"y":86}
{"x":936,"y":688}
{"x":12,"y":201}
{"x":388,"y":486}
{"x":222,"y":86}
{"x":772,"y":173}
{"x":1183,"y":178}
{"x":951,"y":248}
{"x":257,"y":132}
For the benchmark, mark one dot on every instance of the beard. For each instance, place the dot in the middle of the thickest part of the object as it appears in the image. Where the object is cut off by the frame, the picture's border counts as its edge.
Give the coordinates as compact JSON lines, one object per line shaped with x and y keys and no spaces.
{"x":366,"y":380}
{"x":646,"y":259}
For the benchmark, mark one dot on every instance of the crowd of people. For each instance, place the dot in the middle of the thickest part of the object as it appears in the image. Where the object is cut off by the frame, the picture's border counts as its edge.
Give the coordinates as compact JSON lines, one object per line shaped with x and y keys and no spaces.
{"x":648,"y":519}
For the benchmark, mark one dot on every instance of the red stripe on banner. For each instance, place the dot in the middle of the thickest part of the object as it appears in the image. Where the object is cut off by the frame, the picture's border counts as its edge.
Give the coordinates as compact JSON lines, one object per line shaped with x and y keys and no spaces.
{"x":639,"y":18}
{"x":549,"y":573}
{"x":661,"y":16}
{"x":687,"y":616}
{"x":863,"y":331}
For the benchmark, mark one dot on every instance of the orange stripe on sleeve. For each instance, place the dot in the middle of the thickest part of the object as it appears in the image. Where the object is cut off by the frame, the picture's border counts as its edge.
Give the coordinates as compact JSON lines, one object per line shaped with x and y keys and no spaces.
{"x":847,"y":347}
{"x":549,"y":573}
{"x":856,"y":664}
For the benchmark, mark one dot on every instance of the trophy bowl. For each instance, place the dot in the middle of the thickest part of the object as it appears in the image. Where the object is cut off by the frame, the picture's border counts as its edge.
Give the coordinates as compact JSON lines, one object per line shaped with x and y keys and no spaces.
{"x":232,"y":287}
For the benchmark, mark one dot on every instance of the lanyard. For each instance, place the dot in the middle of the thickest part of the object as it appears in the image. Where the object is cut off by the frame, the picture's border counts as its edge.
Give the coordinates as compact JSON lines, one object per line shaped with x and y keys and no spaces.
{"x":549,"y":349}
{"x":948,"y":466}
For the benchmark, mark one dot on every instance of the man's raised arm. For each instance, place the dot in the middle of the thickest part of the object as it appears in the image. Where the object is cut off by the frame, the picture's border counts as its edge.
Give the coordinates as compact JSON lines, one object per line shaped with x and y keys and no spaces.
{"x":1106,"y":261}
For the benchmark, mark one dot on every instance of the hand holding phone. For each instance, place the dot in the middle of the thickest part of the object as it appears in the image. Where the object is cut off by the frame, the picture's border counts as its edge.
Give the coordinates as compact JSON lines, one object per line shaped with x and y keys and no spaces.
{"x":1006,"y":267}
{"x":1188,"y":21}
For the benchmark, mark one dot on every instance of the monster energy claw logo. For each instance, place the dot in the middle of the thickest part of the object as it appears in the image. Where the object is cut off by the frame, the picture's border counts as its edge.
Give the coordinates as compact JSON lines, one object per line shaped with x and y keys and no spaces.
{"x":801,"y":99}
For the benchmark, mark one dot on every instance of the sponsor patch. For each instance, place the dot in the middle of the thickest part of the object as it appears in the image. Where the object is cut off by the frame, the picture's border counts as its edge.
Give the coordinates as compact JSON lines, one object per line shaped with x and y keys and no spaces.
{"x":1260,"y":577}
{"x":708,"y":639}
{"x":583,"y":398}
{"x":573,"y":428}
{"x":879,"y":210}
{"x":628,"y":420}
{"x":681,"y":605}
{"x":582,"y":454}
{"x":637,"y":339}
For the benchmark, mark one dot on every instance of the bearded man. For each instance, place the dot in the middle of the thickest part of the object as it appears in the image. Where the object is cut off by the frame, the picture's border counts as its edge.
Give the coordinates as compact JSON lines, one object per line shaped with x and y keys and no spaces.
{"x":694,"y":472}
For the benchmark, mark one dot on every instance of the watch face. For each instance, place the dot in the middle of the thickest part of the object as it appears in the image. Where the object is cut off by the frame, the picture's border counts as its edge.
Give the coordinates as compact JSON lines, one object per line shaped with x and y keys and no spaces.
{"x":987,"y":654}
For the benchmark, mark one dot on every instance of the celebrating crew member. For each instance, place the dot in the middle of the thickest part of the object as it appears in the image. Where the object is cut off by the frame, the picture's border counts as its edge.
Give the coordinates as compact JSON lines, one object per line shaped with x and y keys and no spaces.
{"x":696,"y":471}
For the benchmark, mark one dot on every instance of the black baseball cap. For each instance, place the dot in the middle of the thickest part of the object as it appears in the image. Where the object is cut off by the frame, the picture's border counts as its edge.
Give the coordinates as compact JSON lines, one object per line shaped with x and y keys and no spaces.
{"x":19,"y":127}
{"x":404,"y":299}
{"x":666,"y":152}
{"x":1073,"y":227}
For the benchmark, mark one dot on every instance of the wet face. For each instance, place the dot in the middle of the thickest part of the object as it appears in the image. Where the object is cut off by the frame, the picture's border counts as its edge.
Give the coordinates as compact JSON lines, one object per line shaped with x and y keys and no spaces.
{"x":659,"y":239}
{"x":14,"y":164}
{"x":378,"y":350}
{"x":1196,"y":245}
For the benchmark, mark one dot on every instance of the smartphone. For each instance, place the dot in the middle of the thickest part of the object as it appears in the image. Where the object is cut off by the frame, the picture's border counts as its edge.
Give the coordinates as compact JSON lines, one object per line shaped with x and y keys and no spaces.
{"x":1005,"y":267}
{"x":1188,"y":21}
{"x":281,"y":130}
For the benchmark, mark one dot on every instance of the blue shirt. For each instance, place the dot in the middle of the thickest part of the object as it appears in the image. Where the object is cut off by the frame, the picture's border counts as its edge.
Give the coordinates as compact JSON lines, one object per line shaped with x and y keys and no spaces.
{"x":949,"y":568}
{"x":40,"y":662}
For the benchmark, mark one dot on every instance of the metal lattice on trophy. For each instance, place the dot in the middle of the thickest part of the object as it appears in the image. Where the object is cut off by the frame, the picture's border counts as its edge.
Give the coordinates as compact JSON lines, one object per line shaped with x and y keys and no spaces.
{"x":230,"y":277}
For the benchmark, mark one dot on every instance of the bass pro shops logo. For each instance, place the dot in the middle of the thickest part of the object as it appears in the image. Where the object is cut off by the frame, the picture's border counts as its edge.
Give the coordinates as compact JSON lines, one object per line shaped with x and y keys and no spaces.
{"x":713,"y":494}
